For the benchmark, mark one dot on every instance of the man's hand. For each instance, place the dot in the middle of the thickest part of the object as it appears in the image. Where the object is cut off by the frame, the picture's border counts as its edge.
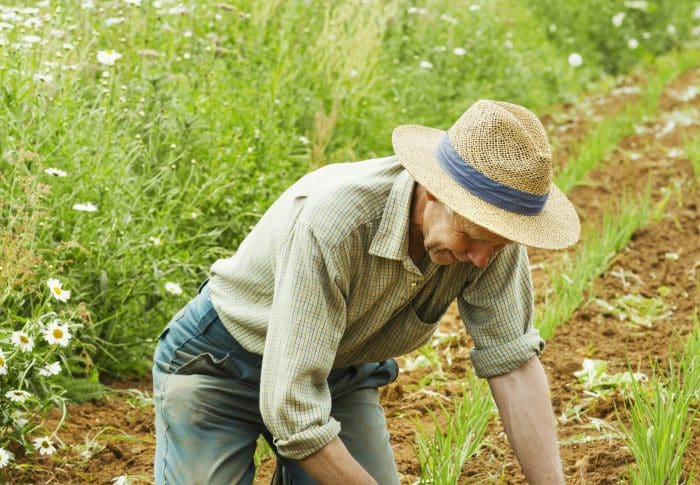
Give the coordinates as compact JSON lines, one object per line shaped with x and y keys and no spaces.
{"x":334,"y":464}
{"x":523,"y":401}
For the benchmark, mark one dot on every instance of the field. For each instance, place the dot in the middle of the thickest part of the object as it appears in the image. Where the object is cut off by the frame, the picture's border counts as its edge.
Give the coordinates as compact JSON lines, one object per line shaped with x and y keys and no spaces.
{"x":171,"y":177}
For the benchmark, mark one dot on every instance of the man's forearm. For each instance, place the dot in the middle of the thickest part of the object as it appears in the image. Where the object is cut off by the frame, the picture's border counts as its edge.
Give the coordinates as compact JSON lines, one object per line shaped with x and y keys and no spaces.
{"x":523,"y":401}
{"x":334,"y":464}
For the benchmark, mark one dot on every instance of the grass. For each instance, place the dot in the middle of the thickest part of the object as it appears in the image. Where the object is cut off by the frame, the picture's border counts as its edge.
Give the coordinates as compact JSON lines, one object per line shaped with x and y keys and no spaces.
{"x":605,"y":135}
{"x":213,"y":109}
{"x":692,"y":149}
{"x":662,"y":416}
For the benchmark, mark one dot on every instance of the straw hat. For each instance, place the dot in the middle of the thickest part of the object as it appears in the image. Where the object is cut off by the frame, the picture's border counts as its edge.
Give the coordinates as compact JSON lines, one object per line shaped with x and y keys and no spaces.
{"x":494,"y":167}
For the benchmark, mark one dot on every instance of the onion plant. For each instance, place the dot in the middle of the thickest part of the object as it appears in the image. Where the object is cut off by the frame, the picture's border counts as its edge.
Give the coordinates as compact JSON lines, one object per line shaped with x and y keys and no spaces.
{"x":661,"y":417}
{"x":442,"y":456}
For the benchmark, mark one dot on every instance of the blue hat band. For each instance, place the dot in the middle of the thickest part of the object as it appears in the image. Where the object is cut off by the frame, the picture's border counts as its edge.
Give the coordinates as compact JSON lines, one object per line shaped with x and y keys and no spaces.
{"x":485,"y":188}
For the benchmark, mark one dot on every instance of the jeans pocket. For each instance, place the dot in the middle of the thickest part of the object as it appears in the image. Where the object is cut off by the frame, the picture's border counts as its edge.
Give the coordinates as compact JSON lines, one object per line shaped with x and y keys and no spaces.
{"x":205,"y":364}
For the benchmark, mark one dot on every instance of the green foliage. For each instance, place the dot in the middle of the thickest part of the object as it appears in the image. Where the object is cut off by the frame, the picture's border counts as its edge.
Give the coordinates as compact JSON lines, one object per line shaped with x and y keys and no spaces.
{"x":213,"y":109}
{"x":615,"y":34}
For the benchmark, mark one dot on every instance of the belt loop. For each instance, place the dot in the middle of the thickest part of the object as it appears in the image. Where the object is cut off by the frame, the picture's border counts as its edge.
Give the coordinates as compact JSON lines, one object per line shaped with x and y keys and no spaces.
{"x":201,"y":287}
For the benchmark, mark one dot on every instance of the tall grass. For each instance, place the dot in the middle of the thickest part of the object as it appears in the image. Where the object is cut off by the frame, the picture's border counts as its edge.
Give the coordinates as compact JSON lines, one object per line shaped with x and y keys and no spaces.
{"x":662,"y":417}
{"x":213,"y":109}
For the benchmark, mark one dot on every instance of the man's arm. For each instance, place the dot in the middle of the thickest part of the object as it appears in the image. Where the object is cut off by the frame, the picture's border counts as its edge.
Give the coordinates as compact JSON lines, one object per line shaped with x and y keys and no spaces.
{"x":523,"y":401}
{"x":333,"y":464}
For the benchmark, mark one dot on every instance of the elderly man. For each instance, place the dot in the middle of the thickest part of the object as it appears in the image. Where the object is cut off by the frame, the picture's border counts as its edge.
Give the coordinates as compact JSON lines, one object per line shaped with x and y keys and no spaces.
{"x":352,"y":266}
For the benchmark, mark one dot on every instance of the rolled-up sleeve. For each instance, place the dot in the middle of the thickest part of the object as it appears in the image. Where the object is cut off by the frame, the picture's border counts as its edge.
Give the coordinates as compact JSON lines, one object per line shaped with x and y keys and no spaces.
{"x":497,"y":309}
{"x":307,"y":321}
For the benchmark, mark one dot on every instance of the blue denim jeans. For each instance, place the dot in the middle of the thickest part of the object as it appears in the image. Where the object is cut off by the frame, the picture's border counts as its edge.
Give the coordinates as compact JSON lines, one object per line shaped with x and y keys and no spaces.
{"x":206,"y":390}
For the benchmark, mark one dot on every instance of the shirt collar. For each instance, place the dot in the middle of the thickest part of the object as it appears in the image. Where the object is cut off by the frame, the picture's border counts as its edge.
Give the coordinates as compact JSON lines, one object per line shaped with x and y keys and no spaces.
{"x":391,"y":239}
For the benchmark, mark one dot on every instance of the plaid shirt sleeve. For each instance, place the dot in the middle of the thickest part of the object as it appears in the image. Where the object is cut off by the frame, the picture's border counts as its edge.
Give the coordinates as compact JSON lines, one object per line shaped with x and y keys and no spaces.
{"x":497,"y":309}
{"x":307,"y":322}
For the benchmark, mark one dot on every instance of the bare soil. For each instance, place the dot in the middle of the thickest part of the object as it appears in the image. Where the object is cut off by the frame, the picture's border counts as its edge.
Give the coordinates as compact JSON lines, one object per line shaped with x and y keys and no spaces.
{"x":115,"y":436}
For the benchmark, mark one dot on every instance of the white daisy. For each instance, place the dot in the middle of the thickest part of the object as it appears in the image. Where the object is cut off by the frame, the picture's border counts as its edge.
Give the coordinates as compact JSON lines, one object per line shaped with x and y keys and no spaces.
{"x":86,"y":207}
{"x":425,"y":65}
{"x":17,"y":395}
{"x":57,"y":290}
{"x":5,"y":457}
{"x":633,"y":43}
{"x":23,"y":341}
{"x":55,"y":171}
{"x":108,"y":57}
{"x":57,"y":333}
{"x":671,"y":29}
{"x":459,"y":51}
{"x":113,"y":21}
{"x":618,"y":18}
{"x":3,"y":363}
{"x":303,"y":140}
{"x":135,"y":3}
{"x":19,"y":419}
{"x":31,"y":39}
{"x":44,"y":446}
{"x":575,"y":59}
{"x":47,"y":78}
{"x":50,"y":369}
{"x":173,"y":288}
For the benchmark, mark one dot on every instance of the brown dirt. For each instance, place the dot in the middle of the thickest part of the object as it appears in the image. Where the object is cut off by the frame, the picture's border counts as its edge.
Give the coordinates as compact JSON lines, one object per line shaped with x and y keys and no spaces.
{"x":119,"y":435}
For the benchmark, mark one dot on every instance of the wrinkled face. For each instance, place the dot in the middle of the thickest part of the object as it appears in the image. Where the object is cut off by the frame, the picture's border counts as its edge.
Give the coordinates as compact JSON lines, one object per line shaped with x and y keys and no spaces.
{"x":449,"y":237}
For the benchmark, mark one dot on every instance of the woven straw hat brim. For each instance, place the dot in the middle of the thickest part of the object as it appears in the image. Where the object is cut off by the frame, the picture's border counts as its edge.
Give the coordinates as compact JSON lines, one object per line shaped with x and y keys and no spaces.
{"x":556,"y":227}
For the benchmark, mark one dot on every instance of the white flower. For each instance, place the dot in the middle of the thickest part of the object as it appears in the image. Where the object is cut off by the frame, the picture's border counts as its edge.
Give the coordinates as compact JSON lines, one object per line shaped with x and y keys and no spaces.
{"x":474,"y":8}
{"x":108,"y":58}
{"x":17,"y":395}
{"x":30,"y":39}
{"x":696,"y":12}
{"x":156,"y":241}
{"x":19,"y":419}
{"x":55,"y":171}
{"x":303,"y":140}
{"x":671,"y":29}
{"x":632,"y":43}
{"x":44,"y":446}
{"x":458,"y":51}
{"x":121,"y":480}
{"x":425,"y":65}
{"x":552,"y":28}
{"x":618,"y":18}
{"x":57,"y":290}
{"x":3,"y":363}
{"x":135,"y":3}
{"x":575,"y":59}
{"x":85,"y":207}
{"x":87,"y":5}
{"x":23,"y":341}
{"x":173,"y":288}
{"x":5,"y":457}
{"x":113,"y":21}
{"x":47,"y":78}
{"x":57,"y":333}
{"x":50,"y":369}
